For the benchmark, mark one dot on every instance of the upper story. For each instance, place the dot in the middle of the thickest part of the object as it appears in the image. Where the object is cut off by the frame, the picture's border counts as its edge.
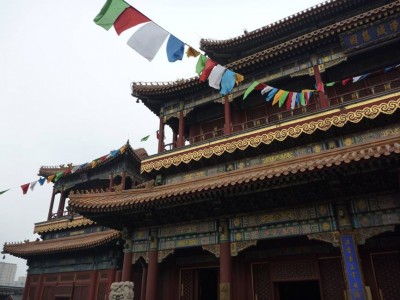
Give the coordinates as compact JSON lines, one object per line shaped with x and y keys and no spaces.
{"x":341,"y":56}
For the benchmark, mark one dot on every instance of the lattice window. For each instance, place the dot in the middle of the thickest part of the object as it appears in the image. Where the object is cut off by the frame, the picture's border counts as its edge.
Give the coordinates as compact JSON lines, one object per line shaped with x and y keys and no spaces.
{"x":296,"y":270}
{"x":101,"y":291}
{"x":387,"y":272}
{"x":331,"y":274}
{"x":186,"y":289}
{"x":262,"y":282}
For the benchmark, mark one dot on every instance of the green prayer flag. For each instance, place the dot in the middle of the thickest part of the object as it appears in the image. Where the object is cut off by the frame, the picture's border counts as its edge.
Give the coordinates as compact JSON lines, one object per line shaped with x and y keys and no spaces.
{"x":250,"y":89}
{"x":201,"y":63}
{"x":58,"y":176}
{"x":330,"y":84}
{"x":302,"y":99}
{"x":110,"y":12}
{"x":2,"y":192}
{"x":282,"y":98}
{"x":145,"y":138}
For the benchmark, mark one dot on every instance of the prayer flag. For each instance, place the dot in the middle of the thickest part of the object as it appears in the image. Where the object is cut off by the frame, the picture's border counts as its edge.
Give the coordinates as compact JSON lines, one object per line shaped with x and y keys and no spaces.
{"x":302,"y":99}
{"x":266,"y":89}
{"x":293,"y":103}
{"x":74,"y":169}
{"x":260,"y":86}
{"x":42,"y":180}
{"x":289,"y":100}
{"x":201,"y":63}
{"x":129,"y":18}
{"x":277,"y":96}
{"x":227,"y":82}
{"x":24,"y":188}
{"x":94,"y":163}
{"x":58,"y":176}
{"x":110,"y":12}
{"x":271,"y":94}
{"x":210,"y":64}
{"x":2,"y":192}
{"x":32,"y":185}
{"x":330,"y":83}
{"x":282,"y":98}
{"x":214,"y":80}
{"x":122,"y":149}
{"x":250,"y":89}
{"x":147,"y":40}
{"x":67,"y":171}
{"x":298,"y":98}
{"x":346,"y":81}
{"x":175,"y":48}
{"x":114,"y":153}
{"x":50,"y":178}
{"x":143,"y":139}
{"x":191,"y":52}
{"x":238,"y":78}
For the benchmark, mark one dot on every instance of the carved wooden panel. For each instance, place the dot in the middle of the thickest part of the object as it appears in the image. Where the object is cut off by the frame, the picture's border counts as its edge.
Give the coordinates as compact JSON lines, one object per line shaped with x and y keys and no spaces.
{"x":387,"y":272}
{"x":187,"y":282}
{"x":332,"y":282}
{"x":261,"y":282}
{"x":294,"y":270}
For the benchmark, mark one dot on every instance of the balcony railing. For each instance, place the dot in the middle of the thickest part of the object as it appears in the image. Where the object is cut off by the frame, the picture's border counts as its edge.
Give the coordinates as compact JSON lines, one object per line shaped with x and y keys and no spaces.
{"x":337,"y":96}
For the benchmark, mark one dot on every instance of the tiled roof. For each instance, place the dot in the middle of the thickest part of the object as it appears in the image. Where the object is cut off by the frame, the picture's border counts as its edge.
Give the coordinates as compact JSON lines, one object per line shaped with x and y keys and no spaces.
{"x":72,"y":243}
{"x":279,"y":26}
{"x":126,"y":200}
{"x":305,"y":40}
{"x":61,"y":224}
{"x":139,"y":154}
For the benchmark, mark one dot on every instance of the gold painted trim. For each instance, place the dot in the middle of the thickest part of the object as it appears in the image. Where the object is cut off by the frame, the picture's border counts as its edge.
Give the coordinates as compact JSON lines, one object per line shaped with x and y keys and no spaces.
{"x":321,"y":121}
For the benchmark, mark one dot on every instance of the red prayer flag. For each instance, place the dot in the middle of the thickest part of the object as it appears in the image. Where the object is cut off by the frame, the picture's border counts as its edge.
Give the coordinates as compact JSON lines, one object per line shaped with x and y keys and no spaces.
{"x":346,"y":81}
{"x":128,"y":18}
{"x":210,"y":64}
{"x":67,"y":171}
{"x":289,"y":101}
{"x":260,"y":86}
{"x":24,"y":188}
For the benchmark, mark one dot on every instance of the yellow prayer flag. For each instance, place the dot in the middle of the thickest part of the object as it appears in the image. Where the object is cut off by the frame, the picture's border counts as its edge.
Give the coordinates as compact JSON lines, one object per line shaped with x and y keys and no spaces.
{"x":94,"y":163}
{"x":238,"y":78}
{"x":191,"y":52}
{"x":50,"y":178}
{"x":277,"y":96}
{"x":122,"y":149}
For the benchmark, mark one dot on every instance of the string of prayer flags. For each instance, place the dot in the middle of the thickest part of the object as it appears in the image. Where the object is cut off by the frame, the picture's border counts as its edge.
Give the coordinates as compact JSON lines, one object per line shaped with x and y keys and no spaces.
{"x":110,"y":12}
{"x":24,"y":188}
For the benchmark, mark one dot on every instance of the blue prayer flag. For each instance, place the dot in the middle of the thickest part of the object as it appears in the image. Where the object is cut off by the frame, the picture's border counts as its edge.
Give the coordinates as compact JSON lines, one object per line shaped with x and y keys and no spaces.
{"x":175,"y":48}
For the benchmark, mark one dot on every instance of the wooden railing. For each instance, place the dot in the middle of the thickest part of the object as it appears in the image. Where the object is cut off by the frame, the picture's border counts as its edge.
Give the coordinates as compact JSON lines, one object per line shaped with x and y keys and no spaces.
{"x":335,"y":99}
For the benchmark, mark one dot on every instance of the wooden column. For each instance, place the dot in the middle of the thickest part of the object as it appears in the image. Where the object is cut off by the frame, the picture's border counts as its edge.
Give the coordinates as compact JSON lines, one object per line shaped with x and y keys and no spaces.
{"x":152,"y":270}
{"x":111,"y":178}
{"x":174,"y":140}
{"x":143,"y":288}
{"x":53,"y":195}
{"x":127,"y":264}
{"x":181,"y":133}
{"x":225,"y":262}
{"x":323,"y":100}
{"x":61,"y":204}
{"x":352,"y":268}
{"x":227,"y":109}
{"x":123,"y":180}
{"x":161,"y":135}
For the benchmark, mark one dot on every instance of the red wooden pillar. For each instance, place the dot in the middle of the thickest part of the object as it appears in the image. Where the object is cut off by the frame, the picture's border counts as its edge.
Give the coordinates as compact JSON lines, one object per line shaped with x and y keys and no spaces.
{"x":94,"y":276}
{"x":161,"y":136}
{"x":225,"y":262}
{"x":227,"y":108}
{"x":181,"y":141}
{"x":152,"y":270}
{"x":39,"y":288}
{"x":123,"y":180}
{"x":53,"y":195}
{"x":323,"y":101}
{"x":127,"y":265}
{"x":111,"y":177}
{"x":144,"y":276}
{"x":61,"y":204}
{"x":174,"y":140}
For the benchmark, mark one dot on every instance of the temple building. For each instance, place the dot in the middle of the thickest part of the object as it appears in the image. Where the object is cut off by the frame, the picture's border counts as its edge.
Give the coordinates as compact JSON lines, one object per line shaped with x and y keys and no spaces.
{"x":287,"y":187}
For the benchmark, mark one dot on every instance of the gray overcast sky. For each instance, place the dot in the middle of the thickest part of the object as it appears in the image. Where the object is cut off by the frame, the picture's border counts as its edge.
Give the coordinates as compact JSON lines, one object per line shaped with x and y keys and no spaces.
{"x":65,"y":86}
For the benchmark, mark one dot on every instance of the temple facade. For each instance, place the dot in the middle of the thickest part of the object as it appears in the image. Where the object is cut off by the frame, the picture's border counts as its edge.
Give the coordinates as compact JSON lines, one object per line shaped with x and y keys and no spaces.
{"x":263,"y":198}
